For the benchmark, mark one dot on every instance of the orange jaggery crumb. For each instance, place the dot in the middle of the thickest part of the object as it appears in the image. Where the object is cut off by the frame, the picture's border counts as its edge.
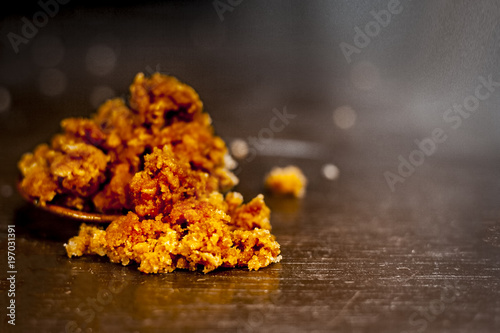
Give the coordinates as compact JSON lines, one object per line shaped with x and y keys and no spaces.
{"x":157,"y":162}
{"x":159,"y":100}
{"x":180,"y":222}
{"x":164,"y":181}
{"x":287,"y":181}
{"x":89,"y":166}
{"x":160,"y":245}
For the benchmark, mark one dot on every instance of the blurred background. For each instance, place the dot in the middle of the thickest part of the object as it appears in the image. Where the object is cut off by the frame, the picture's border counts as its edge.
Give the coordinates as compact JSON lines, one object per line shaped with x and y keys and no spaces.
{"x":360,"y":80}
{"x":246,"y":58}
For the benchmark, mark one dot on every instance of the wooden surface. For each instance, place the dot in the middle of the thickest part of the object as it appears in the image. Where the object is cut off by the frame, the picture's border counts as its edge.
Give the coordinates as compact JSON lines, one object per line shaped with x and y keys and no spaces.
{"x":357,"y":257}
{"x":353,"y":261}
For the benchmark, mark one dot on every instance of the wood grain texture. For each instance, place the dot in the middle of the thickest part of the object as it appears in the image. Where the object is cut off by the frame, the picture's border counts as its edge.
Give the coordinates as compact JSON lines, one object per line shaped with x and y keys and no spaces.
{"x":353,"y":261}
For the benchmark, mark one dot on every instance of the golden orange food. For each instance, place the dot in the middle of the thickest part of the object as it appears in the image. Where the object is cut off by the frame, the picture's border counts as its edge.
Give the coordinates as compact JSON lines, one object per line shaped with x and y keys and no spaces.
{"x":157,"y":162}
{"x":286,"y":181}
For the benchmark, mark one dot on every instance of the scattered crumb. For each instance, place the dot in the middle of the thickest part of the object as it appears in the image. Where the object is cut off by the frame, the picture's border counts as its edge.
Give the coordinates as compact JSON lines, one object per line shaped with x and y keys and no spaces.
{"x":239,"y":148}
{"x":286,"y":181}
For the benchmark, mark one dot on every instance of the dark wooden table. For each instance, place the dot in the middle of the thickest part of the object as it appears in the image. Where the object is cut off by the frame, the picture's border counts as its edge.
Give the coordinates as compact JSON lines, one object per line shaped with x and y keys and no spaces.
{"x":357,"y":257}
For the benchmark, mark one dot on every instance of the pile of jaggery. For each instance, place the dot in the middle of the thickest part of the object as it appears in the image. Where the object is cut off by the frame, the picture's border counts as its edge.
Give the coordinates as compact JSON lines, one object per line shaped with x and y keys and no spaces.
{"x":156,"y":162}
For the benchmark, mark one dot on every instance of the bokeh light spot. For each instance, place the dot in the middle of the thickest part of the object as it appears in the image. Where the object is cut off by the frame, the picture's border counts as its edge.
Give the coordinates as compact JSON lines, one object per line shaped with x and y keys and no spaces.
{"x":344,"y":117}
{"x":52,"y":82}
{"x":239,"y":148}
{"x":100,"y":60}
{"x":6,"y":190}
{"x":330,"y":171}
{"x":100,"y":94}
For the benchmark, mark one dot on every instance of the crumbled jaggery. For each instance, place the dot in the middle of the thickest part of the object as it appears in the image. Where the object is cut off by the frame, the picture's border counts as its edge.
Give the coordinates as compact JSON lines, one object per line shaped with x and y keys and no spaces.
{"x":94,"y":159}
{"x":181,"y":222}
{"x":287,"y":181}
{"x":199,"y":237}
{"x":157,"y":162}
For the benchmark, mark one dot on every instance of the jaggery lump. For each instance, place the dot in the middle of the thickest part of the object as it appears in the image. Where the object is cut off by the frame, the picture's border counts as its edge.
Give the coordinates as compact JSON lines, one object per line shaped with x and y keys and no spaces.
{"x":157,"y":162}
{"x":179,"y":223}
{"x":160,"y":100}
{"x":286,"y":181}
{"x":90,"y":164}
{"x":160,"y":245}
{"x":164,"y":181}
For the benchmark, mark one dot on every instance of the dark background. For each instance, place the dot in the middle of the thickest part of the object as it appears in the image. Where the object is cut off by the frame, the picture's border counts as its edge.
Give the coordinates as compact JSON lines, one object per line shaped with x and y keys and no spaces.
{"x":357,"y":257}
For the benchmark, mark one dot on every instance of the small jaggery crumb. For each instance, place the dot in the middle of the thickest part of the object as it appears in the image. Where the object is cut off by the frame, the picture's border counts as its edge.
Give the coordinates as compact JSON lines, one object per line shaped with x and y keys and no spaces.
{"x":156,"y":162}
{"x":286,"y":181}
